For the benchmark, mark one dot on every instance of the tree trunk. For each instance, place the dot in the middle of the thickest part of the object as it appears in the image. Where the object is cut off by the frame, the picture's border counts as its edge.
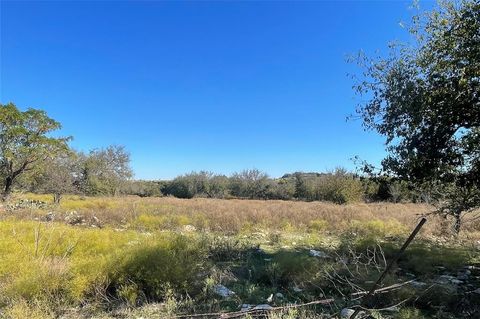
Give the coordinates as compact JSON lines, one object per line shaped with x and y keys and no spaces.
{"x":7,"y":189}
{"x":458,"y":223}
{"x":57,"y":198}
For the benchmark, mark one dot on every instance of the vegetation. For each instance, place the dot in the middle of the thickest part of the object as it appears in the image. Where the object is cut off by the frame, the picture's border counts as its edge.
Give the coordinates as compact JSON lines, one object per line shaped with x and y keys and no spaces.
{"x":424,"y":99}
{"x":108,"y":246}
{"x":24,"y":143}
{"x":339,"y":186}
{"x":158,"y":257}
{"x":105,"y":171}
{"x":33,"y":161}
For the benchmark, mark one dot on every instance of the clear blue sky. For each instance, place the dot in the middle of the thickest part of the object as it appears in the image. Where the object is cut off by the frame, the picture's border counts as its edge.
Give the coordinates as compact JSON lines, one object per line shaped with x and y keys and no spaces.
{"x":185,"y":86}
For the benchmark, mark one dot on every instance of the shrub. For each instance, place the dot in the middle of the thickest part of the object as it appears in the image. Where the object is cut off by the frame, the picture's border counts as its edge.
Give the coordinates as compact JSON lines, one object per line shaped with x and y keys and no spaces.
{"x":147,"y":268}
{"x":339,"y":187}
{"x":202,"y":184}
{"x":54,"y":262}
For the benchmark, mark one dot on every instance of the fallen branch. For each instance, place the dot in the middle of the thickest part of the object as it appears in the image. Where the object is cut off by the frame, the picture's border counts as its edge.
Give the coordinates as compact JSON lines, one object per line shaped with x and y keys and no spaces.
{"x":384,"y":289}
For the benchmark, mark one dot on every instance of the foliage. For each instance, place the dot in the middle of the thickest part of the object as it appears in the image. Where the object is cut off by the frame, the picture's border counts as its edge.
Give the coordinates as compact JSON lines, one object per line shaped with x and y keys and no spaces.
{"x":159,"y":263}
{"x":143,"y":188}
{"x":105,"y":171}
{"x":202,"y":184}
{"x":249,"y":183}
{"x":339,"y":187}
{"x":424,"y":99}
{"x":301,"y":187}
{"x":25,"y":142}
{"x":59,"y":176}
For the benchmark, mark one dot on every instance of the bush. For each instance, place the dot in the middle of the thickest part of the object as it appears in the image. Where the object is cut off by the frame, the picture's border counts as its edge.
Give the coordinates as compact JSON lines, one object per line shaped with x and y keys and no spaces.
{"x":143,"y":188}
{"x":149,"y":268}
{"x":339,"y":187}
{"x":57,"y":264}
{"x":202,"y":184}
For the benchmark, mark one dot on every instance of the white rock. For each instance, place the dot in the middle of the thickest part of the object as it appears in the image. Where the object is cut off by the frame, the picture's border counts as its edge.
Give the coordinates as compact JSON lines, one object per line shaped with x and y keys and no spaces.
{"x":472,"y":267}
{"x":317,"y":253}
{"x":223,"y":291}
{"x":189,"y":228}
{"x":346,"y":313}
{"x":270,"y":298}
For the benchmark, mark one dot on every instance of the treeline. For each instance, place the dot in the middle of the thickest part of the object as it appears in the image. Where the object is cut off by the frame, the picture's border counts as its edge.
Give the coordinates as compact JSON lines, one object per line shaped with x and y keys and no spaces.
{"x":339,"y":186}
{"x":31,"y":159}
{"x":106,"y":172}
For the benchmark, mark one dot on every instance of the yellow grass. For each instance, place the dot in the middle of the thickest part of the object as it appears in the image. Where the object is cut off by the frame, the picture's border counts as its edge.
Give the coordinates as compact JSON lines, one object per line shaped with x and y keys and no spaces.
{"x":50,"y":266}
{"x":235,"y":215}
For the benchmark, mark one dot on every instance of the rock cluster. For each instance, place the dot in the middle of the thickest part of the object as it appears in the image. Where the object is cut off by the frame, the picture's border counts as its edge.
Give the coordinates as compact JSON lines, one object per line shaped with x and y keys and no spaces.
{"x":26,"y":204}
{"x":74,"y":218}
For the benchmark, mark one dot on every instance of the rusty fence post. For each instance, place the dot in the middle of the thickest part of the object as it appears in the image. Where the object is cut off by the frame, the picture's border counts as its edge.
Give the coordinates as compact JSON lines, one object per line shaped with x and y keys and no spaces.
{"x":371,"y":292}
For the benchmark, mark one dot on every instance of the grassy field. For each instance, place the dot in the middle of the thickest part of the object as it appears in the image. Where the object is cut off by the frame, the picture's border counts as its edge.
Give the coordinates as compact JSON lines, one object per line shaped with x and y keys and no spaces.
{"x":131,"y":257}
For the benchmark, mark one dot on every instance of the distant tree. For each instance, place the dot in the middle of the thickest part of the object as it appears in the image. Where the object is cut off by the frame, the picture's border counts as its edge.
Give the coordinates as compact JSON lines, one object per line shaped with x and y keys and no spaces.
{"x":282,"y":188}
{"x":188,"y":185}
{"x":339,"y":187}
{"x":143,"y":188}
{"x":425,"y":99}
{"x":59,"y":175}
{"x":217,"y":186}
{"x":201,"y":184}
{"x":250,"y":183}
{"x":105,"y":171}
{"x":301,"y":188}
{"x":25,"y":143}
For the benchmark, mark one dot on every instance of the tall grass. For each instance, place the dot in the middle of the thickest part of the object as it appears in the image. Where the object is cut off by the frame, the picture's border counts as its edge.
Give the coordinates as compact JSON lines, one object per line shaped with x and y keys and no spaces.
{"x":232,"y":216}
{"x":141,"y":251}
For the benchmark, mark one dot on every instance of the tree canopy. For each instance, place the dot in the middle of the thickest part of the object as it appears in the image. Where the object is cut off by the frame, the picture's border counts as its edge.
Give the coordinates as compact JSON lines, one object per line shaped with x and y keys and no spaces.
{"x":424,"y":97}
{"x":25,"y":142}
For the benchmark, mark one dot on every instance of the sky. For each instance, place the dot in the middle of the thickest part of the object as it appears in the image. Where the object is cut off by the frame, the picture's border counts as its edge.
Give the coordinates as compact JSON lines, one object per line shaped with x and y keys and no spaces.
{"x":188,"y":86}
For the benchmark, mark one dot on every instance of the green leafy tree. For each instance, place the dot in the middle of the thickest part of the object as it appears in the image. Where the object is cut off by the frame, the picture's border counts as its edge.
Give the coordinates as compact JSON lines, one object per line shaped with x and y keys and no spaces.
{"x":105,"y":171}
{"x":425,"y":99}
{"x":250,"y":183}
{"x":25,"y":143}
{"x":143,"y":188}
{"x":198,"y":184}
{"x":339,"y":187}
{"x":301,"y":188}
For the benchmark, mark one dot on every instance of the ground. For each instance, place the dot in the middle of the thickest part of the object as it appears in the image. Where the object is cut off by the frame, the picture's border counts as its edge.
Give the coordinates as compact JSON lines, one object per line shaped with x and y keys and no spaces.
{"x":132,"y":257}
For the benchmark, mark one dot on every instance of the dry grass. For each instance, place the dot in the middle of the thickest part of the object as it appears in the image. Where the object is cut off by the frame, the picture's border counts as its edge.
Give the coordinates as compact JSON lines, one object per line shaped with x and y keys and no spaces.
{"x":114,"y":265}
{"x":234,"y":215}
